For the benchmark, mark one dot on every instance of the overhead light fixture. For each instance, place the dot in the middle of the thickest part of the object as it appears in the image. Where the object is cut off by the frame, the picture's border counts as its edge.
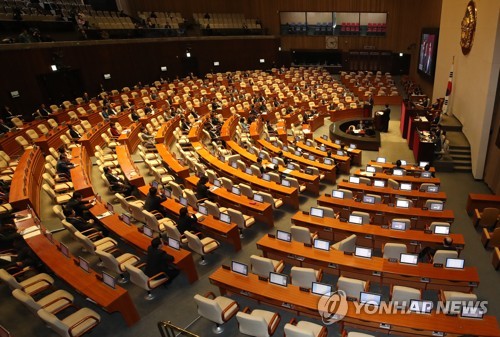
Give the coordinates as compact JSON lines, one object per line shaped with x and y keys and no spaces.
{"x":279,"y":48}
{"x":400,"y":54}
{"x":163,"y":68}
{"x":107,"y":76}
{"x":216,"y":63}
{"x":14,"y":94}
{"x":53,"y":67}
{"x":188,"y":54}
{"x":262,"y":61}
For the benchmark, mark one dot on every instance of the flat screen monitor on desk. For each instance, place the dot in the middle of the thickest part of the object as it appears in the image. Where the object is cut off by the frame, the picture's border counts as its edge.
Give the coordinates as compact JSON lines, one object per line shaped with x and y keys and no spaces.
{"x":474,"y":311}
{"x":248,"y":170}
{"x":352,"y":146}
{"x":108,"y":280}
{"x":321,"y":244}
{"x":402,"y":203}
{"x":84,"y":264}
{"x":225,"y":218}
{"x":421,"y":307}
{"x":290,"y":167}
{"x":354,"y":180}
{"x":355,"y":219}
{"x":398,"y":172}
{"x":154,"y":184}
{"x":370,"y":298}
{"x":235,"y":190}
{"x":338,"y":194}
{"x":442,"y":230}
{"x":370,"y":169}
{"x":426,"y":175}
{"x":328,"y":161}
{"x":368,"y":199}
{"x":381,"y":160}
{"x":234,"y":165}
{"x":433,"y":189}
{"x":183,"y":201}
{"x":258,"y":198}
{"x":436,"y":206}
{"x":110,"y":207}
{"x":403,"y":162}
{"x":318,"y":288}
{"x":454,"y":263}
{"x":279,"y":279}
{"x":363,"y":252}
{"x":286,"y":183}
{"x":411,"y":259}
{"x":126,"y":219}
{"x":405,"y":186}
{"x":275,"y":161}
{"x":64,"y":249}
{"x":378,"y":183}
{"x":423,"y":164}
{"x":322,"y":148}
{"x":298,"y":153}
{"x":217,"y":183}
{"x":283,"y":236}
{"x":173,"y":243}
{"x":239,"y":268}
{"x":147,"y":231}
{"x":316,"y":212}
{"x":398,"y":225}
{"x":311,"y":157}
{"x":340,"y":153}
{"x":168,"y":193}
{"x":337,"y":141}
{"x":266,"y":177}
{"x":202,"y":209}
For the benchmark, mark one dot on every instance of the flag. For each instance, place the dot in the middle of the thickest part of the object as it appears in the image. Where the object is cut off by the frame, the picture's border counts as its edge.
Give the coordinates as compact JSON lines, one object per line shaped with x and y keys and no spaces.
{"x":448,"y":89}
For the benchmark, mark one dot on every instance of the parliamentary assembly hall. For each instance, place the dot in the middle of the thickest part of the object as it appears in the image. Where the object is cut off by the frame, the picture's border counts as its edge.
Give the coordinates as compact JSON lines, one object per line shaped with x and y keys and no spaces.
{"x":257,"y":168}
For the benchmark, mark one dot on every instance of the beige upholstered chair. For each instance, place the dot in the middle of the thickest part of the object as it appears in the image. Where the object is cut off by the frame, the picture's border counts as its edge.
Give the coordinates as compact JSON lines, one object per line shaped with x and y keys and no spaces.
{"x":156,"y":221}
{"x":23,"y":142}
{"x":304,"y":329}
{"x":432,"y":201}
{"x":259,"y":323}
{"x":304,"y":277}
{"x":31,"y":286}
{"x":53,"y":302}
{"x":440,"y":256}
{"x":218,"y":309}
{"x":243,"y":221}
{"x":58,"y":199}
{"x":393,"y":250}
{"x":74,"y":325}
{"x":172,"y":232}
{"x":433,"y":225}
{"x":140,"y":279}
{"x":91,"y":247}
{"x":346,"y":245}
{"x":17,"y":122}
{"x":57,"y":187}
{"x":201,"y":246}
{"x":303,"y":234}
{"x":117,"y":264}
{"x":401,"y":296}
{"x":352,"y":287}
{"x":364,"y":215}
{"x":487,"y":218}
{"x":456,"y":297}
{"x":32,"y":134}
{"x":262,"y":266}
{"x":268,"y":198}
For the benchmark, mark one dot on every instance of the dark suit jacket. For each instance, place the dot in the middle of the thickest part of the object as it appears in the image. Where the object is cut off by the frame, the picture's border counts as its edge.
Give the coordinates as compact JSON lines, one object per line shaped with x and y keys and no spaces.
{"x":186,"y":223}
{"x":63,"y":167}
{"x":74,"y":134}
{"x":153,"y":203}
{"x":157,"y":261}
{"x":78,"y":206}
{"x":202,"y":191}
{"x":79,"y":223}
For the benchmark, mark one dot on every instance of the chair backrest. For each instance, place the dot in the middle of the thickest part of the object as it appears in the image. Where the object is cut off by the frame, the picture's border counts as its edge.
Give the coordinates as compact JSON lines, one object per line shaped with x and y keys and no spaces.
{"x":194,"y":243}
{"x":211,"y":175}
{"x":294,"y":331}
{"x":124,"y":203}
{"x":378,"y":198}
{"x":352,"y":287}
{"x":209,"y":309}
{"x":327,"y":211}
{"x":246,"y":190}
{"x":394,"y":250}
{"x":191,"y":198}
{"x":138,"y":277}
{"x":428,"y":202}
{"x":441,"y":255}
{"x":49,"y":191}
{"x":301,"y":234}
{"x":437,"y":223}
{"x":59,"y":212}
{"x":32,"y":134}
{"x":365,"y":216}
{"x":22,"y":141}
{"x":403,"y":295}
{"x":407,"y":222}
{"x":17,"y":122}
{"x":151,"y":220}
{"x":392,"y":184}
{"x":9,"y":280}
{"x":226,"y":183}
{"x":27,"y":300}
{"x":109,"y":260}
{"x":365,"y":180}
{"x":85,"y":242}
{"x":303,"y":277}
{"x":172,"y":231}
{"x":346,"y":245}
{"x":53,"y":124}
{"x":489,"y":216}
{"x":58,"y":326}
{"x":48,"y":179}
{"x":176,"y":189}
{"x":347,"y":193}
{"x":261,"y":266}
{"x":212,"y":208}
{"x":252,"y":325}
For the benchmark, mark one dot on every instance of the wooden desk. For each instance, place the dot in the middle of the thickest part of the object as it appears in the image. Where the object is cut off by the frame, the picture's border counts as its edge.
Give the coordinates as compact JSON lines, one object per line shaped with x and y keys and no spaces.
{"x":389,"y":195}
{"x":93,"y":117}
{"x":261,"y":211}
{"x":423,"y":150}
{"x":8,"y":140}
{"x":337,"y":115}
{"x":26,"y":182}
{"x":417,"y":181}
{"x":409,"y":168}
{"x":122,"y":118}
{"x":128,"y":167}
{"x":376,"y":269}
{"x":302,"y":303}
{"x":52,"y":139}
{"x":344,"y":162}
{"x":171,"y":163}
{"x":130,"y":234}
{"x":131,"y":138}
{"x":481,"y":201}
{"x":93,"y":137}
{"x":80,"y":175}
{"x":383,"y":213}
{"x":111,"y":300}
{"x":290,"y":195}
{"x":372,"y":236}
{"x":328,"y":170}
{"x":355,"y":154}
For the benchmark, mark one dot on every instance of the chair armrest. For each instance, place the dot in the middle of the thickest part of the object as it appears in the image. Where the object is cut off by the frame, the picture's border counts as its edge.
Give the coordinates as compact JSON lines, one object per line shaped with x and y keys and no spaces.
{"x":477,"y":217}
{"x":226,"y":309}
{"x":320,"y":275}
{"x":485,"y":237}
{"x":323,"y":332}
{"x":441,"y":295}
{"x":68,"y":304}
{"x":367,"y":285}
{"x":210,"y":295}
{"x":37,"y":281}
{"x":140,"y":265}
{"x":157,"y":276}
{"x":209,"y":242}
{"x":293,"y":321}
{"x":279,"y":265}
{"x":93,"y":236}
{"x":83,"y":320}
{"x":246,"y":310}
{"x":131,"y":197}
{"x":275,"y":317}
{"x":157,"y":214}
{"x":133,"y":257}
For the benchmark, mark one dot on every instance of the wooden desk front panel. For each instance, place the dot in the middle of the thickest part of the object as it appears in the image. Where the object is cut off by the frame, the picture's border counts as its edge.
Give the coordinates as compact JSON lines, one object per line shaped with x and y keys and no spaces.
{"x":8,"y":140}
{"x":93,"y":137}
{"x":93,"y":117}
{"x":52,"y":139}
{"x":132,"y":174}
{"x":171,"y":163}
{"x":481,"y":201}
{"x":344,"y":162}
{"x":417,"y":181}
{"x":80,"y":175}
{"x":355,"y":154}
{"x":131,"y":139}
{"x":122,"y":118}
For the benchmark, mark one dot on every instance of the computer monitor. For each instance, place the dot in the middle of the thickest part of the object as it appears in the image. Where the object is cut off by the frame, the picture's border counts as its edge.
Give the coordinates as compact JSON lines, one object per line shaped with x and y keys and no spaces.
{"x":405,"y":186}
{"x":423,"y":164}
{"x":436,"y":206}
{"x":355,"y":219}
{"x":183,"y":201}
{"x":397,"y":172}
{"x":285,"y":148}
{"x":421,"y":307}
{"x":338,"y":194}
{"x":279,"y":279}
{"x":108,"y":280}
{"x":225,"y":218}
{"x":340,"y":153}
{"x":168,"y":193}
{"x":321,"y":244}
{"x":352,"y":146}
{"x":403,"y":162}
{"x":308,"y":171}
{"x":354,"y":180}
{"x":109,"y":207}
{"x":381,"y":160}
{"x":322,"y":148}
{"x":472,"y":312}
{"x":217,"y":183}
{"x":363,"y":252}
{"x":290,"y":167}
{"x":433,"y":189}
{"x":286,"y":183}
{"x":147,"y":231}
{"x":318,"y":212}
{"x":283,"y":236}
{"x":84,"y":264}
{"x":239,"y":268}
{"x":235,"y":190}
{"x":402,"y":203}
{"x":126,"y":219}
{"x":64,"y":249}
{"x":328,"y":161}
{"x":154,"y":184}
{"x":275,"y":161}
{"x":370,"y":298}
{"x":425,"y":175}
{"x":248,"y":170}
{"x":398,"y":225}
{"x":222,"y":159}
{"x":173,"y":243}
{"x":325,"y":137}
{"x":258,"y":198}
{"x":298,"y":153}
{"x":309,"y":143}
{"x":337,"y":141}
{"x":443,"y":230}
{"x":454,"y":263}
{"x":411,"y":259}
{"x":311,"y":157}
{"x":368,"y":199}
{"x":370,"y":169}
{"x":261,"y":155}
{"x":234,"y":165}
{"x":379,"y":183}
{"x":321,"y":289}
{"x":266,"y":177}
{"x":202,"y":209}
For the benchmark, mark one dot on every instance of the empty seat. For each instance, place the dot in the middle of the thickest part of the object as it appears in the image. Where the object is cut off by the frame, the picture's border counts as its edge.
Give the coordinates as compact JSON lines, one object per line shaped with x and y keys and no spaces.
{"x":260,"y":323}
{"x":140,"y":279}
{"x":303,"y":234}
{"x":401,"y":296}
{"x":352,"y":287}
{"x":218,"y":309}
{"x":117,"y":264}
{"x":346,"y":245}
{"x":393,"y":250}
{"x":456,"y":297}
{"x":53,"y":302}
{"x":304,"y":277}
{"x":262,"y":266}
{"x":440,"y":256}
{"x":487,"y":218}
{"x":304,"y":329}
{"x":365,"y":216}
{"x":201,"y":246}
{"x":76,"y":324}
{"x":32,"y":285}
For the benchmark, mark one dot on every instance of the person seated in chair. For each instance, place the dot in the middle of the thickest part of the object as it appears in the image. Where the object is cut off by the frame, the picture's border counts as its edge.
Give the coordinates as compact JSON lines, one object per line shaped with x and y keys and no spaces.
{"x":202,"y":190}
{"x":158,"y":261}
{"x":75,"y":135}
{"x":81,"y":224}
{"x":64,"y":166}
{"x":427,"y":253}
{"x":186,"y":222}
{"x":80,"y":206}
{"x":153,"y":202}
{"x":114,"y":131}
{"x":119,"y":185}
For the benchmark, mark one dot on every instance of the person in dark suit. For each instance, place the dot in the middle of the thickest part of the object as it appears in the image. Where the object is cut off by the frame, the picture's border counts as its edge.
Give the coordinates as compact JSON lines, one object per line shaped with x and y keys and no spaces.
{"x":64,"y":166}
{"x":202,"y":191}
{"x":3,"y":127}
{"x":81,"y":224}
{"x":133,"y":114}
{"x":153,"y":202}
{"x":386,"y":117}
{"x":186,"y":221}
{"x":158,"y":261}
{"x":185,"y":125}
{"x":43,"y":111}
{"x":117,"y":184}
{"x":79,"y":206}
{"x":75,"y":135}
{"x":427,"y":253}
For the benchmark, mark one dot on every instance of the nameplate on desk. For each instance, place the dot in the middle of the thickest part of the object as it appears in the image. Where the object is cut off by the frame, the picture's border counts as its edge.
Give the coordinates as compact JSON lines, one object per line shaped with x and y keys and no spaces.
{"x":226,"y":267}
{"x":345,"y":180}
{"x":414,"y":243}
{"x":244,"y":293}
{"x":384,"y":227}
{"x":351,"y":299}
{"x":393,"y":260}
{"x":307,"y":245}
{"x":348,"y":253}
{"x":287,"y":305}
{"x":385,"y":326}
{"x":390,"y":204}
{"x":424,"y":208}
{"x":376,"y":273}
{"x":305,"y":212}
{"x":306,"y":290}
{"x":369,"y":236}
{"x":425,"y":279}
{"x":262,"y":278}
{"x":272,"y":236}
{"x":437,"y":265}
{"x":300,"y":258}
{"x":473,"y":284}
{"x":287,"y":171}
{"x":413,"y":218}
{"x":427,"y":231}
{"x":333,"y":266}
{"x":438,"y":333}
{"x":103,"y":215}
